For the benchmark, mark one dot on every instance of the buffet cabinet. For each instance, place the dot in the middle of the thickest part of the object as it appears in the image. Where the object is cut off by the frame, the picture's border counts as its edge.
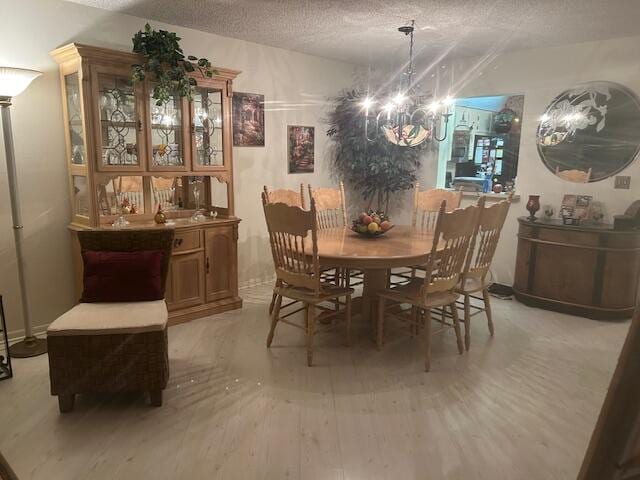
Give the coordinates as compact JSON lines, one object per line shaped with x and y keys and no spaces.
{"x":127,"y":157}
{"x":591,"y":271}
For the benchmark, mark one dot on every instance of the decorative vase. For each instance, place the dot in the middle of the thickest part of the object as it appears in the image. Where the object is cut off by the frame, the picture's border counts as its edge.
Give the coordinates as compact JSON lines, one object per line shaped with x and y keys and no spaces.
{"x":533,"y":205}
{"x":160,"y":218}
{"x":497,"y":188}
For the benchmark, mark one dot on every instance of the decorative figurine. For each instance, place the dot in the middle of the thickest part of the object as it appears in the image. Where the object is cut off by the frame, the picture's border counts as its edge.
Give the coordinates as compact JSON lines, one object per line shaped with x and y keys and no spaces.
{"x":160,"y":218}
{"x":533,"y":205}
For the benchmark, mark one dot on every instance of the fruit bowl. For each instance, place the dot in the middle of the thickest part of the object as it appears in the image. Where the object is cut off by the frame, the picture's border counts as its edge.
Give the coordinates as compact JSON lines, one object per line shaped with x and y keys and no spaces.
{"x":371,"y":224}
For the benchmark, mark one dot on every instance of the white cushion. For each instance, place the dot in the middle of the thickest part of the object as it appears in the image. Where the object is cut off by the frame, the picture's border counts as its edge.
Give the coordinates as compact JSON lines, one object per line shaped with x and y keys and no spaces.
{"x":111,"y":318}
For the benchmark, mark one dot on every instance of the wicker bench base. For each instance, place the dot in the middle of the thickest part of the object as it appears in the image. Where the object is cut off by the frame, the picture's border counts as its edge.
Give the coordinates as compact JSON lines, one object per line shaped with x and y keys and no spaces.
{"x":108,"y":364}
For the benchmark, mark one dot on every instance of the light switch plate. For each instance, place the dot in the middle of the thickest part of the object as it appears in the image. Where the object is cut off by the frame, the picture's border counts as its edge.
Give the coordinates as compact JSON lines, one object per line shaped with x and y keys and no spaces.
{"x":623,"y":182}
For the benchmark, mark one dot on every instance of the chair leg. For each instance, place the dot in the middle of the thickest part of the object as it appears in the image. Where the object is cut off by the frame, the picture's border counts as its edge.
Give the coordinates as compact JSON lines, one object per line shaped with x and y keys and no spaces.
{"x":380,"y":323}
{"x":456,"y":327}
{"x":487,"y":309}
{"x":311,"y":323}
{"x":65,"y":402}
{"x":467,"y":321}
{"x":348,"y":314}
{"x":273,"y":302}
{"x":427,"y":340}
{"x":413,"y":325}
{"x":156,"y":398}
{"x":274,"y":320}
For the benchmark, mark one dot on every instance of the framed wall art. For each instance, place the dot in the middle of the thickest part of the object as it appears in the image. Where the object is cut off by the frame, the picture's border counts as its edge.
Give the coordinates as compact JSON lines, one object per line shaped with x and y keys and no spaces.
{"x":248,"y":120}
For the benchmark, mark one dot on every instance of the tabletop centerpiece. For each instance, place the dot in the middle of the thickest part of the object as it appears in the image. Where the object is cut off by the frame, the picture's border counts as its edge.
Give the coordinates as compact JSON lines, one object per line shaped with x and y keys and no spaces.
{"x":372,"y":224}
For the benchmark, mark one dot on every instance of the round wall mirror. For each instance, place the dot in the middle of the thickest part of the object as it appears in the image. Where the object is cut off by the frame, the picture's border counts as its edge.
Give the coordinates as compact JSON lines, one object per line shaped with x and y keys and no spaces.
{"x":590,"y":132}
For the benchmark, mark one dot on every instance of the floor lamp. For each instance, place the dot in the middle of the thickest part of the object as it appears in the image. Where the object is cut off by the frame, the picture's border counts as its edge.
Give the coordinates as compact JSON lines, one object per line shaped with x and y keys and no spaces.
{"x":13,"y":81}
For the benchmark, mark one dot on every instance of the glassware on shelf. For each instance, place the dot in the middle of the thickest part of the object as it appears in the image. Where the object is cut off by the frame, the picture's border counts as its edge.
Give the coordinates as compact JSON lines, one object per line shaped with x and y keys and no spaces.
{"x":120,"y":222}
{"x":197,"y":216}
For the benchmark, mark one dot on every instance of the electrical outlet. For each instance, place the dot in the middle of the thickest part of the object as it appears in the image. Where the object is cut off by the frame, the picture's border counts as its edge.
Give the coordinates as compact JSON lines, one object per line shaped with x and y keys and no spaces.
{"x":623,"y":182}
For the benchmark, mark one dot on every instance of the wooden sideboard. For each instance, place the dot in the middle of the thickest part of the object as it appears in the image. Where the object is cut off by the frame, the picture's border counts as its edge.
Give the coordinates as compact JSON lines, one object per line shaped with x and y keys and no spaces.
{"x":591,"y":271}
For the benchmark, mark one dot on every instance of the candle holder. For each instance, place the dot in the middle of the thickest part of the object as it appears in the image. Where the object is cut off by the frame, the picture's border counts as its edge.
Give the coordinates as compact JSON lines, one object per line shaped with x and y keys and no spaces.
{"x":533,"y":205}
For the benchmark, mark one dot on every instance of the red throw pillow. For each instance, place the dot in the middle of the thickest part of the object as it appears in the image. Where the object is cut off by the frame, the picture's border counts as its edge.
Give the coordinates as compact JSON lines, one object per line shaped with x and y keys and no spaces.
{"x":122,"y":276}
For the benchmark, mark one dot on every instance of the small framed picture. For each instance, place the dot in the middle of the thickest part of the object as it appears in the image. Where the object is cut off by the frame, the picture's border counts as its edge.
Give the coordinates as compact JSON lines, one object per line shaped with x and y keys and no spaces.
{"x":300,"y":149}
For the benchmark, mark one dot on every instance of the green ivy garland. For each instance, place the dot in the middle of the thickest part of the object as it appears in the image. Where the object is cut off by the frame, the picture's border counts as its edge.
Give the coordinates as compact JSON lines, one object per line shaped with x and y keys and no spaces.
{"x":375,"y":169}
{"x":166,"y":61}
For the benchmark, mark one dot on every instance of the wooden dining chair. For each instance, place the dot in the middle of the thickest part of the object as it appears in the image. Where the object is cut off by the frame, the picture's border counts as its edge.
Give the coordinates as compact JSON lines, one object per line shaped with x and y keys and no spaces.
{"x":293,"y":235}
{"x":474,"y":280}
{"x":426,"y":205}
{"x":452,"y":240}
{"x":293,"y":199}
{"x":331,"y":212}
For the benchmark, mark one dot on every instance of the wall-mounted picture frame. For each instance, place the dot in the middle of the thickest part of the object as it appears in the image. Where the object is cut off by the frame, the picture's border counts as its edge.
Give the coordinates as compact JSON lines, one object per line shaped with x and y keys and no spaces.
{"x":300,"y":149}
{"x":248,"y":119}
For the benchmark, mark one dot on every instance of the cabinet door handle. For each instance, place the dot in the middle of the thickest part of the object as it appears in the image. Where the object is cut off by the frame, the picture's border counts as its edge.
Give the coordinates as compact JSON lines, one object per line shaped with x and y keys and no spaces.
{"x":193,"y":129}
{"x":139,"y":125}
{"x":177,"y":242}
{"x":207,"y":265}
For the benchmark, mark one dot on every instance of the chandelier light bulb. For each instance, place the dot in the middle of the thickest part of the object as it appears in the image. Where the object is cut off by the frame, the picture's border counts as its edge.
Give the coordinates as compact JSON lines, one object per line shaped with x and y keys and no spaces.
{"x":399,"y":99}
{"x":389,"y":106}
{"x":434,"y":106}
{"x":367,"y":103}
{"x":448,"y":101}
{"x":545,"y":117}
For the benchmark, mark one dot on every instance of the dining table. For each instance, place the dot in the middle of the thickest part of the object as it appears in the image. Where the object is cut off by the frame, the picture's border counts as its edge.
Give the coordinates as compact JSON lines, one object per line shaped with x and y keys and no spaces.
{"x":401,"y":246}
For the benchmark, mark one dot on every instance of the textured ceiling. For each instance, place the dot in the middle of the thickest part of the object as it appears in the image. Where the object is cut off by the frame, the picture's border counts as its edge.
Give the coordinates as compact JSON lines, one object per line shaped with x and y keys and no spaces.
{"x":364,"y":32}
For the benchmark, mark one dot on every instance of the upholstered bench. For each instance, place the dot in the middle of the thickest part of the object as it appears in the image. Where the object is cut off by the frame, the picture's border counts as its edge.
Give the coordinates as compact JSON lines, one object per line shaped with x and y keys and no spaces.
{"x":113,"y":346}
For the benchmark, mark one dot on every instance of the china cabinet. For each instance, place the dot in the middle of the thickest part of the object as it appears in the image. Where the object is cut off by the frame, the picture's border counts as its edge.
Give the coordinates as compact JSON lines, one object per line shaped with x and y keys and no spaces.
{"x":128,"y":156}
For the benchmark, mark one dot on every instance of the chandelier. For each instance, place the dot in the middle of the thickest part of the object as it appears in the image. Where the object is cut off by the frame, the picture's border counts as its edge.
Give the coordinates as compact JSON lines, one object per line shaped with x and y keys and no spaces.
{"x":409,"y":118}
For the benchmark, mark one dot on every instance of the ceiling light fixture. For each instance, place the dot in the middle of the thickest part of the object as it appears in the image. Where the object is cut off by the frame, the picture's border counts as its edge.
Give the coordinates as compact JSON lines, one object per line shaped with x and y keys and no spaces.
{"x":409,"y":118}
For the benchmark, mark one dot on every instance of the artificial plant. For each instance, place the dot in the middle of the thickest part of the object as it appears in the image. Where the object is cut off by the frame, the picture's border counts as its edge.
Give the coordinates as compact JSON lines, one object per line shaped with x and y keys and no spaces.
{"x":376,"y":169}
{"x":166,"y":61}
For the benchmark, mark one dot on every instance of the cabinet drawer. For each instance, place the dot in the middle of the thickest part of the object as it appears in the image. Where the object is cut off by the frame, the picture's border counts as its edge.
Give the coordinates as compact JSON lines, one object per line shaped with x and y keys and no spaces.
{"x":184,"y":241}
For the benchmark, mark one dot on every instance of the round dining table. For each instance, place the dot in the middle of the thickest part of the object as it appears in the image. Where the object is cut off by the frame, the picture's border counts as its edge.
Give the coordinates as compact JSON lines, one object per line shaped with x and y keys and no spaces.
{"x":402,"y":246}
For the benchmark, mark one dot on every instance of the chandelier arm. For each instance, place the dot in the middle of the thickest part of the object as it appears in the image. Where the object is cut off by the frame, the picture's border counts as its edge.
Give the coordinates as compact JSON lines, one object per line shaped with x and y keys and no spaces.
{"x":446,"y":128}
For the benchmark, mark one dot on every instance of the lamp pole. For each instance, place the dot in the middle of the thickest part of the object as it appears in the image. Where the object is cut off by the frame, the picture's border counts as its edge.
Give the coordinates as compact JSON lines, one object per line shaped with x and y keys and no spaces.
{"x":30,"y":346}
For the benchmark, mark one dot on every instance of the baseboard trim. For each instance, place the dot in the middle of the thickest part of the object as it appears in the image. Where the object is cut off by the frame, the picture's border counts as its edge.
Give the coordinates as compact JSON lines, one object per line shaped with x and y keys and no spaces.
{"x":254,"y":282}
{"x":17,"y":335}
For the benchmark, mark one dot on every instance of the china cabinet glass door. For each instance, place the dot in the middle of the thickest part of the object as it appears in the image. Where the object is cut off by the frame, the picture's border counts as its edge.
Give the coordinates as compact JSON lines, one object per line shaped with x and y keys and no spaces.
{"x":75,"y":125}
{"x":207,"y":129}
{"x":167,"y":133}
{"x":119,"y":126}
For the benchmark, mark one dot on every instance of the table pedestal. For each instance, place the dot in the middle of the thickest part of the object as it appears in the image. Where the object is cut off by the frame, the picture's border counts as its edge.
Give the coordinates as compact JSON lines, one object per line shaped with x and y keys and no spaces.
{"x":375,"y":280}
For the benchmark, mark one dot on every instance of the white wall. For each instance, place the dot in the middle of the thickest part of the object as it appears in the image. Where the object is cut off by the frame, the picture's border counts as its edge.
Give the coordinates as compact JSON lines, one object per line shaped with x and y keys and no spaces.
{"x":298,"y":84}
{"x":541,"y":75}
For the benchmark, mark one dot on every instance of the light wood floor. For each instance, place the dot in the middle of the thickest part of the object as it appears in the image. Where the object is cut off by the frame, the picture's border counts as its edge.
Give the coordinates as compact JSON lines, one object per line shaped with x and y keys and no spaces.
{"x":519,"y":406}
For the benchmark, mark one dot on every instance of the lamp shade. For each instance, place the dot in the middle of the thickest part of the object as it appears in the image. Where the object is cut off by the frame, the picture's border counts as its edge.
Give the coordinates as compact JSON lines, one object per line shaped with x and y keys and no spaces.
{"x":13,"y":81}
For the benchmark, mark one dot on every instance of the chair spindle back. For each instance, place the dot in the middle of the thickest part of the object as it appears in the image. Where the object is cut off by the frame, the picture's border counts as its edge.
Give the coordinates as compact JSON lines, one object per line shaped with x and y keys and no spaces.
{"x":452,"y":241}
{"x":330,"y":206}
{"x":295,"y":256}
{"x":490,"y":226}
{"x":426,"y":205}
{"x":284,"y":195}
